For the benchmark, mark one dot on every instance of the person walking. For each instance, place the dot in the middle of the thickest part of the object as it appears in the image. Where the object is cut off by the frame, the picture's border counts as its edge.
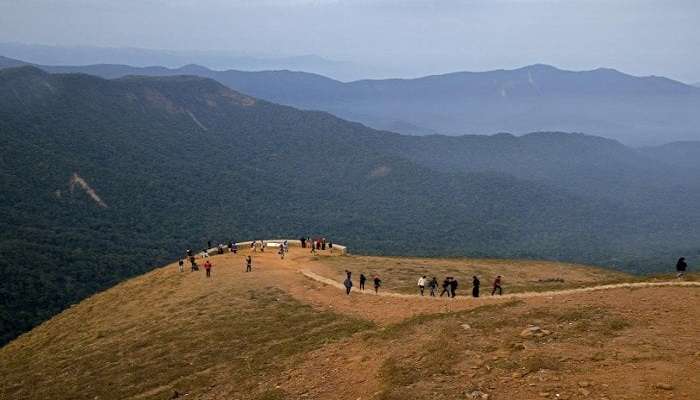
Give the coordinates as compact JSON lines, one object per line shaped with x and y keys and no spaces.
{"x":348,"y":284}
{"x":207,"y":267}
{"x":433,"y":286}
{"x":681,"y":266}
{"x":453,"y":287}
{"x":377,"y":284}
{"x":181,"y":265}
{"x":363,"y":279}
{"x":446,"y":287}
{"x":421,"y":284}
{"x":497,"y":286}
{"x":281,"y":252}
{"x":248,"y":264}
{"x":475,"y":286}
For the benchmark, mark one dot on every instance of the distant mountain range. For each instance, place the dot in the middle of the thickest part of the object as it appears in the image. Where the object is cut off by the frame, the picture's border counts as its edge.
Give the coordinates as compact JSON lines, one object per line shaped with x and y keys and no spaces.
{"x":86,"y":55}
{"x":103,"y":179}
{"x":603,"y":102}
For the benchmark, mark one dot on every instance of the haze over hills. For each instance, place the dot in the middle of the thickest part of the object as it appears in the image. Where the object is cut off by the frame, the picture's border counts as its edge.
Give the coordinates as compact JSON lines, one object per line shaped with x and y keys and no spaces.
{"x":602,"y":102}
{"x":124,"y":174}
{"x":86,"y":55}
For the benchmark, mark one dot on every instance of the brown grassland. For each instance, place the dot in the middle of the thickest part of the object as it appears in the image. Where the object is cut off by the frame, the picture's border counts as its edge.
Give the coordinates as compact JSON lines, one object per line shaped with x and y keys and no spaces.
{"x":275,"y":333}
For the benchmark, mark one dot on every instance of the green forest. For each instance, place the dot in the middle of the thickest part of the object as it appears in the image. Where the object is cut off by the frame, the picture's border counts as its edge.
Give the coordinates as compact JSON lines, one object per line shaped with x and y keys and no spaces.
{"x":179,"y":161}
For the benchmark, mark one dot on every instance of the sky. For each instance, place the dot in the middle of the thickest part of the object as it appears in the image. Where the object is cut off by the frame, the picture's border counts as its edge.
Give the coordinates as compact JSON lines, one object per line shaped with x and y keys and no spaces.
{"x":399,"y":38}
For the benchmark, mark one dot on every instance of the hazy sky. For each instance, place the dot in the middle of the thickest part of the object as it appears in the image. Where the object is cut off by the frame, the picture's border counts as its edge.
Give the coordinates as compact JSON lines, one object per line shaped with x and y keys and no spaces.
{"x":642,"y":37}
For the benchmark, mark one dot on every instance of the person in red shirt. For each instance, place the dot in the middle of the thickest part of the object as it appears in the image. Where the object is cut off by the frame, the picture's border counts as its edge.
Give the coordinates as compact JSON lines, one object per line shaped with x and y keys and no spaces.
{"x":207,"y":267}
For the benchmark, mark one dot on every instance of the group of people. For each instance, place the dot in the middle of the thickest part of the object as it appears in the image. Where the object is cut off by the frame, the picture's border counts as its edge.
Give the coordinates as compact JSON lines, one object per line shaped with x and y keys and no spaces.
{"x":450,"y":285}
{"x":316,"y":244}
{"x":363,"y":279}
{"x":189,"y":255}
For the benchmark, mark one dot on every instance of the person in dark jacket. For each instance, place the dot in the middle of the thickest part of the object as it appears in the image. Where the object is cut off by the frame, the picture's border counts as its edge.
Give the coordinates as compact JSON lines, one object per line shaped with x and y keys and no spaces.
{"x":363,"y":279}
{"x":453,"y":287}
{"x":681,"y":266}
{"x":248,"y":264}
{"x":433,"y":286}
{"x":446,"y":287}
{"x":475,"y":289}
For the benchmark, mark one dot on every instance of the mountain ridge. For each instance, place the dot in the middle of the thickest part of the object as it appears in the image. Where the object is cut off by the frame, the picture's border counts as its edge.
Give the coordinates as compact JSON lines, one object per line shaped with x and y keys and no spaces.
{"x":603,"y":102}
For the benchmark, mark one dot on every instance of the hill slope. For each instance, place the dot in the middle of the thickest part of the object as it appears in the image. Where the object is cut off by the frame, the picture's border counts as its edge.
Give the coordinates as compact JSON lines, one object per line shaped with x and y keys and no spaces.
{"x":101,"y":179}
{"x":274,"y":334}
{"x":604,"y":102}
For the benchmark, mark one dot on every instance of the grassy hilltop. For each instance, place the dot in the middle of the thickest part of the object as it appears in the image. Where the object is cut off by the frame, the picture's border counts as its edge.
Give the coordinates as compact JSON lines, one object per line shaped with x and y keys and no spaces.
{"x":276,"y":334}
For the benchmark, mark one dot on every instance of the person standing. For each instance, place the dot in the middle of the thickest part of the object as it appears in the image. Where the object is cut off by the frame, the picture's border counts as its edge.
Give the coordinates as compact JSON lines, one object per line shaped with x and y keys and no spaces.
{"x":181,"y":265}
{"x":207,"y":267}
{"x":377,"y":284}
{"x":363,"y":279}
{"x":281,"y":252}
{"x":497,"y":286}
{"x":453,"y":287}
{"x":475,"y":286}
{"x":248,"y":264}
{"x":421,"y":284}
{"x":446,"y":287}
{"x":348,"y":284}
{"x":681,"y":266}
{"x":433,"y":286}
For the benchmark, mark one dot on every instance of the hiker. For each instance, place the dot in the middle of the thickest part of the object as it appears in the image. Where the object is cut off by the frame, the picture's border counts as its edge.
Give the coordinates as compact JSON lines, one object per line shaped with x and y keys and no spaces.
{"x":453,"y":287}
{"x":263,"y":245}
{"x":446,"y":287}
{"x":681,"y":266}
{"x":303,"y":242}
{"x":377,"y":284}
{"x":281,"y":252}
{"x":181,"y":265}
{"x":497,"y":286}
{"x":221,"y":249}
{"x":248,"y":264}
{"x":330,"y":245}
{"x":313,"y":249}
{"x":285,"y":246}
{"x":475,"y":289}
{"x":433,"y":286}
{"x":193,"y":264}
{"x":207,"y":267}
{"x":254,"y":246}
{"x":421,"y":284}
{"x":363,"y":279}
{"x":348,"y":283}
{"x":323,"y":244}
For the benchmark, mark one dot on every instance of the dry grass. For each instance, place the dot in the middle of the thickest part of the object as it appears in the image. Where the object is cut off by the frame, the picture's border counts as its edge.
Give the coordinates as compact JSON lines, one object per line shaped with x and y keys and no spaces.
{"x":401,"y":274}
{"x":125,"y":343}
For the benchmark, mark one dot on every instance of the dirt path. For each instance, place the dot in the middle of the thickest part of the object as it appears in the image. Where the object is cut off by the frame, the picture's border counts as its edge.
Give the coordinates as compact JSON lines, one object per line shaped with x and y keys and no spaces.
{"x":339,"y":285}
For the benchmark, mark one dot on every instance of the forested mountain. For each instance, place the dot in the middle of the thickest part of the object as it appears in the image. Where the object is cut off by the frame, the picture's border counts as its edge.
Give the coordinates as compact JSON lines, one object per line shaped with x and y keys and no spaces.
{"x":104,"y":179}
{"x":604,"y":102}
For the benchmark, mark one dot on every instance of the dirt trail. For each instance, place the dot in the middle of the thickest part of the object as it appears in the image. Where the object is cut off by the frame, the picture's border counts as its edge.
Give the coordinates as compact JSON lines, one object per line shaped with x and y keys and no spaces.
{"x":339,"y":285}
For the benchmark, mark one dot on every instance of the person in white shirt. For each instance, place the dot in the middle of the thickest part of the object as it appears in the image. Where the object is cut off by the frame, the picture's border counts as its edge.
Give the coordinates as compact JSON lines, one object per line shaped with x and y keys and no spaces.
{"x":421,"y":284}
